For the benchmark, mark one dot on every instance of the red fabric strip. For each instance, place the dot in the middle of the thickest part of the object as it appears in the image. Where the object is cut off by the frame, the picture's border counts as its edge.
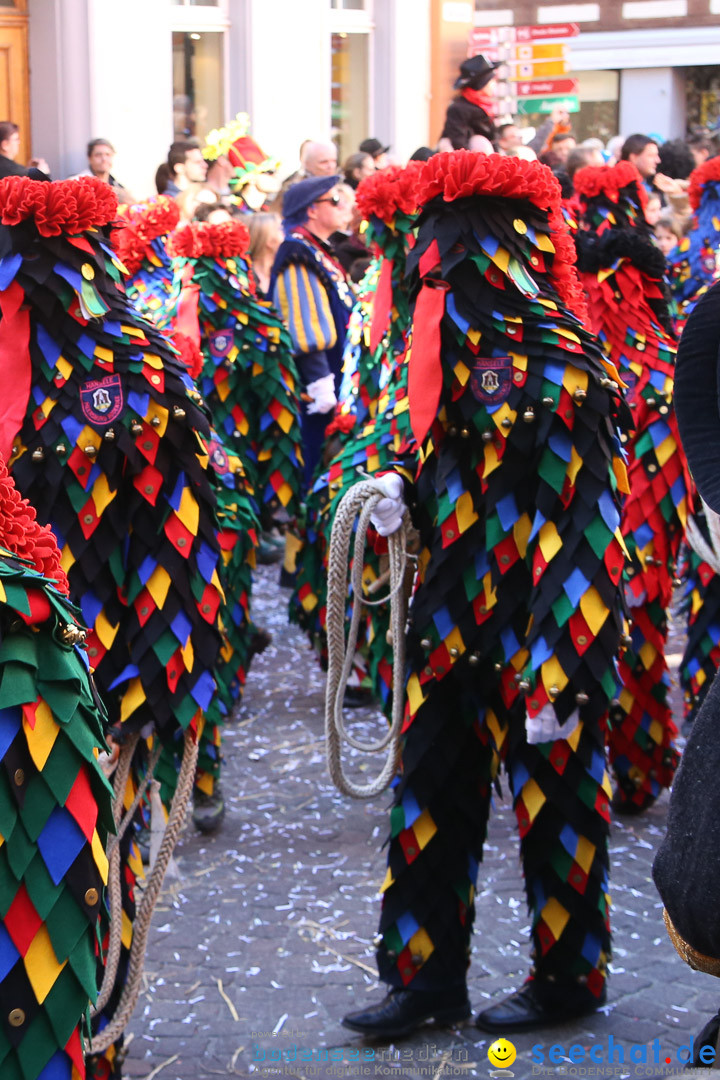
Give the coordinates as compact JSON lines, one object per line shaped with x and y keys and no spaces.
{"x":15,"y":364}
{"x":382,"y":304}
{"x":425,"y":371}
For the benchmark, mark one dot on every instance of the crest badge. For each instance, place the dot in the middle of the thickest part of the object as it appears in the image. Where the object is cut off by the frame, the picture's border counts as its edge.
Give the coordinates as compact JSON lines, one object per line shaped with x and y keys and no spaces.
{"x":102,"y":400}
{"x":491,"y":379}
{"x":220,"y":342}
{"x":218,"y":457}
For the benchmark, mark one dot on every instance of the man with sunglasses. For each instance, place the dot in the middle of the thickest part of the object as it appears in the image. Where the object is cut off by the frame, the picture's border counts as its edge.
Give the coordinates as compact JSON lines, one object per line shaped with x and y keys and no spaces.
{"x":314,"y":297}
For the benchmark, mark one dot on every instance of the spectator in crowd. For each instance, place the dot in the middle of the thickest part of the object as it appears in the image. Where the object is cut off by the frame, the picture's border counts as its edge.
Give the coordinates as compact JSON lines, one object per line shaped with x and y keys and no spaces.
{"x":346,"y":242}
{"x":185,"y":165}
{"x":653,"y":209}
{"x":319,"y":159}
{"x":594,"y":149}
{"x":666,"y":233}
{"x":212,"y":213}
{"x":423,"y":153}
{"x":101,"y":155}
{"x":677,"y":159}
{"x":357,"y":167}
{"x":9,"y":150}
{"x":472,"y":111}
{"x":562,"y":143}
{"x":219,"y":174}
{"x":642,"y":152}
{"x":377,"y":152}
{"x":266,"y":236}
{"x":614,"y":149}
{"x":701,"y":148}
{"x":558,"y":123}
{"x":578,"y":159}
{"x":508,"y":138}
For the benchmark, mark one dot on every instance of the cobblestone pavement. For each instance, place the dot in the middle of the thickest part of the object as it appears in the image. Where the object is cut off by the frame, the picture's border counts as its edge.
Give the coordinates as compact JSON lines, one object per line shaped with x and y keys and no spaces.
{"x":263,"y":939}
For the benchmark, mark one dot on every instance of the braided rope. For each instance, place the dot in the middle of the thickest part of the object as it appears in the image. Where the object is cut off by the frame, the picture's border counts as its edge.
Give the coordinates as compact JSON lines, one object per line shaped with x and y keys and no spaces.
{"x":141,"y":925}
{"x":358,"y":503}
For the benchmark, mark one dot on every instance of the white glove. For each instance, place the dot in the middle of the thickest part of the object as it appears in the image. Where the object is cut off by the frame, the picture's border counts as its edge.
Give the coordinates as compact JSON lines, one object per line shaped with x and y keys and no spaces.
{"x":322,"y":392}
{"x":388,"y":512}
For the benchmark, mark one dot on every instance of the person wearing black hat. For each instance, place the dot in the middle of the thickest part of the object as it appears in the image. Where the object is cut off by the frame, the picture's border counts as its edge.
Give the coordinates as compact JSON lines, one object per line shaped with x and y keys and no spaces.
{"x":377,"y":152}
{"x":312,"y":293}
{"x":471,"y":112}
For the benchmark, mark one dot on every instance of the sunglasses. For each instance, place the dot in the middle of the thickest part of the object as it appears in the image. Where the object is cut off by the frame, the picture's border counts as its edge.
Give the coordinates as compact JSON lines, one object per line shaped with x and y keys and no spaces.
{"x":334,"y":199}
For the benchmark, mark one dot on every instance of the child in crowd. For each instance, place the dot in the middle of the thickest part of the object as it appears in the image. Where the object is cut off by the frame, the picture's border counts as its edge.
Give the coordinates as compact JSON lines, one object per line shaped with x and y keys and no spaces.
{"x":666,"y":233}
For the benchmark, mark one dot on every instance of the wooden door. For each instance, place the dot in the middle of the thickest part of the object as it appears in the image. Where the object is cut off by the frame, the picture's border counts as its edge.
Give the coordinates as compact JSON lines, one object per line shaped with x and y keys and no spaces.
{"x":14,"y":72}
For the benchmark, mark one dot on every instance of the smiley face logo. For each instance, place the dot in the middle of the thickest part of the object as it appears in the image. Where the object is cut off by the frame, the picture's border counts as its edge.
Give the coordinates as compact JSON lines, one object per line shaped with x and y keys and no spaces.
{"x":501,"y":1054}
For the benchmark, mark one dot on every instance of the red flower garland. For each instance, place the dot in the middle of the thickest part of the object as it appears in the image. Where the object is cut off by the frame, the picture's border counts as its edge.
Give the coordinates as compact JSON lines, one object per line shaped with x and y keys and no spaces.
{"x":140,"y":225}
{"x":64,"y":207}
{"x":225,"y":240}
{"x":20,"y":532}
{"x":389,"y":191}
{"x":461,"y":174}
{"x":705,"y":173}
{"x":341,"y":422}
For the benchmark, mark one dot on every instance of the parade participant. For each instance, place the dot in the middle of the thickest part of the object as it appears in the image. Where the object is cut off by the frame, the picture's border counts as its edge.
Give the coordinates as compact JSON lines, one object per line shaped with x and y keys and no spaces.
{"x":142,"y":245}
{"x":694,"y":265}
{"x":516,"y":616}
{"x":253,"y":176}
{"x":56,"y":805}
{"x":106,"y":435}
{"x":371,"y":426}
{"x":686,"y":869}
{"x":248,"y":377}
{"x":377,"y":152}
{"x":472,"y":111}
{"x":622,"y":272}
{"x":312,"y":293}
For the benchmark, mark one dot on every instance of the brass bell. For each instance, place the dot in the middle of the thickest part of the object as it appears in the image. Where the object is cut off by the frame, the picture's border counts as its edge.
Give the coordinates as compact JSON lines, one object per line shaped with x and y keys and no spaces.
{"x":524,"y":685}
{"x":90,"y":450}
{"x":650,"y":401}
{"x":156,"y":421}
{"x":72,"y":635}
{"x":497,"y":666}
{"x":452,"y":431}
{"x":464,"y":433}
{"x":473,"y":659}
{"x":487,"y":436}
{"x":580,"y":396}
{"x":627,"y":641}
{"x":109,"y":435}
{"x":39,"y":454}
{"x":529,"y":415}
{"x":178,"y":413}
{"x":554,"y":691}
{"x":548,"y":401}
{"x":426,"y":644}
{"x":60,"y":448}
{"x":136,"y":428}
{"x":454,"y":652}
{"x":507,"y":422}
{"x":582,"y":698}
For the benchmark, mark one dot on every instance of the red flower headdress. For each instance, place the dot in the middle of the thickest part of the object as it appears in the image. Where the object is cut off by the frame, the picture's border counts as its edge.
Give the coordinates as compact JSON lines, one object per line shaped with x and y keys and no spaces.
{"x":461,"y":174}
{"x":143,"y":223}
{"x":64,"y":207}
{"x":705,"y":173}
{"x":389,"y":191}
{"x":609,"y":180}
{"x":21,"y":534}
{"x":225,"y":240}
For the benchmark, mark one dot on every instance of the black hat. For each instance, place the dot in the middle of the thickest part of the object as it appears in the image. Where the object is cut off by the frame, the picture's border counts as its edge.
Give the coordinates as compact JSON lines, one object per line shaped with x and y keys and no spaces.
{"x":373,"y":147}
{"x":476,"y":70}
{"x":697,"y":403}
{"x":300,"y":196}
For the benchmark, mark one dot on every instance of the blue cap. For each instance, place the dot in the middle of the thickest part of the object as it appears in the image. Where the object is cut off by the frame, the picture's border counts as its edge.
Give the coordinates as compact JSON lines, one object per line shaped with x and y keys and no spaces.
{"x":303,"y":194}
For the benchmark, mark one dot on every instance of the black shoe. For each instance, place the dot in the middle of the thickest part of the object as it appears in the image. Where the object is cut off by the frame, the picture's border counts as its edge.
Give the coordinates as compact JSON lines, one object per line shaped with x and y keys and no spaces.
{"x":208,"y":810}
{"x":539,"y":1004}
{"x":402,"y":1011}
{"x":357,"y":697}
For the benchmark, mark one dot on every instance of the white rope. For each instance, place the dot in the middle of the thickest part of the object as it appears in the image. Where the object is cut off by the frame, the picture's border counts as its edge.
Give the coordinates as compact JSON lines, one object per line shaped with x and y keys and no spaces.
{"x":358,"y":503}
{"x":709,"y":553}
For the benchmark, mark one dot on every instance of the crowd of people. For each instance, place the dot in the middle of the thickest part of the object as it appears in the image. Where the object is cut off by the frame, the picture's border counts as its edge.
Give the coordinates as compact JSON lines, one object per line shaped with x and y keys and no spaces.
{"x":490,"y":330}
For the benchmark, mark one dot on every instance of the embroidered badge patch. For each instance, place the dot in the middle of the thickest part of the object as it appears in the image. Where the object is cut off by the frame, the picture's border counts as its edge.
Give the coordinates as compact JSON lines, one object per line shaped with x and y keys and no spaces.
{"x":102,"y":400}
{"x":218,"y":457}
{"x":491,"y":379}
{"x":220,"y":342}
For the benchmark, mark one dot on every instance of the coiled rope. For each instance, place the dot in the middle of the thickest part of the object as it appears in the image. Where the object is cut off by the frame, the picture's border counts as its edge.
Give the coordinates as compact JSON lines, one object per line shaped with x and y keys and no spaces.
{"x":141,"y":924}
{"x":358,"y":503}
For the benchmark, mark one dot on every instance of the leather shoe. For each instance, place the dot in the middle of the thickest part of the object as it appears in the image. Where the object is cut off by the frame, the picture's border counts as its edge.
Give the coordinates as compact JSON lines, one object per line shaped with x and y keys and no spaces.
{"x":402,"y":1011}
{"x":539,"y":1004}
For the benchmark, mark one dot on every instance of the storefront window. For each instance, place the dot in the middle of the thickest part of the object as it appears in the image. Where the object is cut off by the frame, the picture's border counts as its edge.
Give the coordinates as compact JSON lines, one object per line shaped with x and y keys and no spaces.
{"x":598,"y":95}
{"x":702,"y":86}
{"x":349,"y":91}
{"x":198,"y":104}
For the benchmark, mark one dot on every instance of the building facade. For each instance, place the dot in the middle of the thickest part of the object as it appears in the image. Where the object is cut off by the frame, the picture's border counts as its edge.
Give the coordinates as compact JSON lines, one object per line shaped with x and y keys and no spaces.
{"x":143,"y":72}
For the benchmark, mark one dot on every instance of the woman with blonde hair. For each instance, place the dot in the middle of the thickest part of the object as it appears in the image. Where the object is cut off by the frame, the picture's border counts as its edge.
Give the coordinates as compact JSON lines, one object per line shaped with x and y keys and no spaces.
{"x":266,"y":236}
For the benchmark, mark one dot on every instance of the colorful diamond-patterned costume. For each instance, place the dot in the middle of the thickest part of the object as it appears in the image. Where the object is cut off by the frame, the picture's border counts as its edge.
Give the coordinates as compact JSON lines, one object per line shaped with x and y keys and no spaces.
{"x":622,"y":272}
{"x":55,"y":808}
{"x":142,"y":247}
{"x":693,"y":265}
{"x":373,"y":422}
{"x":516,"y":617}
{"x":108,"y":442}
{"x":248,"y":376}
